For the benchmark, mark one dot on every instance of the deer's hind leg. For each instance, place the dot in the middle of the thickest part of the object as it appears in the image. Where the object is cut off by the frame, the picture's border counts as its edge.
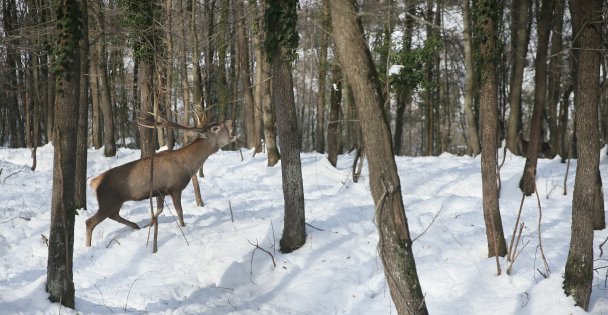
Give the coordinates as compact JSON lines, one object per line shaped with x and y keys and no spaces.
{"x":98,"y":217}
{"x":116,"y":217}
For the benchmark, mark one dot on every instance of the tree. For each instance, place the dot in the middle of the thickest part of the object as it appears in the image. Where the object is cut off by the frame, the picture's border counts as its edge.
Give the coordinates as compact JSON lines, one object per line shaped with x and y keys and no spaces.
{"x":395,"y":244}
{"x":528,"y":178}
{"x":323,"y":66}
{"x":60,"y":281}
{"x":333,"y":134}
{"x":486,"y":15}
{"x":520,"y":35}
{"x":251,"y":133}
{"x":281,"y":41}
{"x":80,"y":189}
{"x":473,"y":139}
{"x":586,"y":27}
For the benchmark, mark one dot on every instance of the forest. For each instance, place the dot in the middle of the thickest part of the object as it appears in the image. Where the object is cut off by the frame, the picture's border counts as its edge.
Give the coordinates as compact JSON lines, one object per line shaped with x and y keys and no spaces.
{"x":371,"y":82}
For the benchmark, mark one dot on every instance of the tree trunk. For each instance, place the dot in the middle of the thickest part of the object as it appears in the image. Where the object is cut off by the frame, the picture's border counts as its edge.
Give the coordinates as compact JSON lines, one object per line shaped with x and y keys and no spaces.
{"x":95,"y":111}
{"x":527,"y":184}
{"x":404,"y":91}
{"x":486,"y":23}
{"x":280,"y":51}
{"x":222,"y":48}
{"x":395,"y":244}
{"x":473,"y":139}
{"x":586,"y":21}
{"x":333,"y":132}
{"x":60,"y":281}
{"x":554,"y":78}
{"x":145,"y":79}
{"x":520,"y":35}
{"x":263,"y":96}
{"x":323,"y":44}
{"x":80,"y":178}
{"x":251,"y":134}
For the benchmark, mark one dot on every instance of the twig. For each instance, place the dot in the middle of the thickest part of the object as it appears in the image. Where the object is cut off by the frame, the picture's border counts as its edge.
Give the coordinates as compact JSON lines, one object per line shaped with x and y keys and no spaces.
{"x":112,"y":240}
{"x":429,"y":226}
{"x":510,"y":252}
{"x":45,"y":240}
{"x":102,"y":299}
{"x":131,"y":287}
{"x":314,"y":227}
{"x":274,"y":240}
{"x":540,"y":241}
{"x":601,"y":250}
{"x":17,"y":172}
{"x":231,"y":214}
{"x":253,"y":253}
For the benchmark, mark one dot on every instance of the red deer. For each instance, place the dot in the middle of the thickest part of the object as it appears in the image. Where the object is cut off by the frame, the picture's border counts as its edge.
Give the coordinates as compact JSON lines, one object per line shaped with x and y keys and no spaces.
{"x":172,"y":172}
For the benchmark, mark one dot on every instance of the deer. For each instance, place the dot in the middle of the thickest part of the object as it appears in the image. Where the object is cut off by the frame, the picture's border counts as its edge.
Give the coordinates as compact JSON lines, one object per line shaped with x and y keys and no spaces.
{"x":172,"y":170}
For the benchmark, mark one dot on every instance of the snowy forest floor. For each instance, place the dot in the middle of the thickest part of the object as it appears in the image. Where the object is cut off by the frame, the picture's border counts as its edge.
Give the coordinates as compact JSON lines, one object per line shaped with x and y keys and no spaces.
{"x":214,"y":267}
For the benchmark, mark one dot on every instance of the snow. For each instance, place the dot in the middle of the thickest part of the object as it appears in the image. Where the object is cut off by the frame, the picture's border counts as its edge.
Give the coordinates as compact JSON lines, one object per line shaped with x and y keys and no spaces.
{"x":215,"y":268}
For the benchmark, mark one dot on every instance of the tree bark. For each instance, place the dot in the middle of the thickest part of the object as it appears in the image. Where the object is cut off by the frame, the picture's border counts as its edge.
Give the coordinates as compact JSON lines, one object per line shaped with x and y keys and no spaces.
{"x":473,"y":139}
{"x":263,"y":96}
{"x":251,"y":133}
{"x":281,"y":15}
{"x":395,"y":244}
{"x":323,"y":44}
{"x":527,"y":184}
{"x":333,"y":132}
{"x":586,"y":25}
{"x":554,"y":78}
{"x":486,"y":24}
{"x":520,"y":35}
{"x":80,"y":184}
{"x":60,"y":281}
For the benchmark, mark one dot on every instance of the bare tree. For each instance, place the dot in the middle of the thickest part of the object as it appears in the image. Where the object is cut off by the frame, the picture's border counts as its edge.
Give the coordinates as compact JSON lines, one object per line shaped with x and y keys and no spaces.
{"x":395,"y":244}
{"x":528,"y":178}
{"x":60,"y":281}
{"x":80,"y":185}
{"x":520,"y":35}
{"x":281,"y":41}
{"x":586,"y":27}
{"x":473,"y":139}
{"x":486,"y":24}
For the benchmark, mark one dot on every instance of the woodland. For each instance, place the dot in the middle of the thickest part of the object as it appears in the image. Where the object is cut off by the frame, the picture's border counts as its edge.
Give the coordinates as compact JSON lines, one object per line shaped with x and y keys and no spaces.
{"x":378,"y":78}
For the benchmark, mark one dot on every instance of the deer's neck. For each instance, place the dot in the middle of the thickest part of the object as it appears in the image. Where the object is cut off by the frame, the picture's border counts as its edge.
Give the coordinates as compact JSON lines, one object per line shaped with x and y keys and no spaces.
{"x":198,"y":151}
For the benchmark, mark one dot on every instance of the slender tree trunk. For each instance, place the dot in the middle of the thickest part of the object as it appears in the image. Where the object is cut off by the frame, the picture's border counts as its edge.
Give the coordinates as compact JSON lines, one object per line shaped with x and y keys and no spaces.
{"x":554,"y":77}
{"x":95,"y":110}
{"x":323,"y":44}
{"x":473,"y":143}
{"x":222,"y":48}
{"x":281,"y":15}
{"x":60,"y":281}
{"x":527,"y":184}
{"x":333,"y":132}
{"x":586,"y":21}
{"x":145,"y":83}
{"x":251,"y":134}
{"x":395,"y":241}
{"x":80,"y":184}
{"x":404,"y":92}
{"x":486,"y":25}
{"x":263,"y":96}
{"x":520,"y":35}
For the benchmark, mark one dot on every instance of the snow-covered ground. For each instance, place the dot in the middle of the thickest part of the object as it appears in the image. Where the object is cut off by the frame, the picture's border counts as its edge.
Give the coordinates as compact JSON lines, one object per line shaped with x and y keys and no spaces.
{"x":213,"y":268}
